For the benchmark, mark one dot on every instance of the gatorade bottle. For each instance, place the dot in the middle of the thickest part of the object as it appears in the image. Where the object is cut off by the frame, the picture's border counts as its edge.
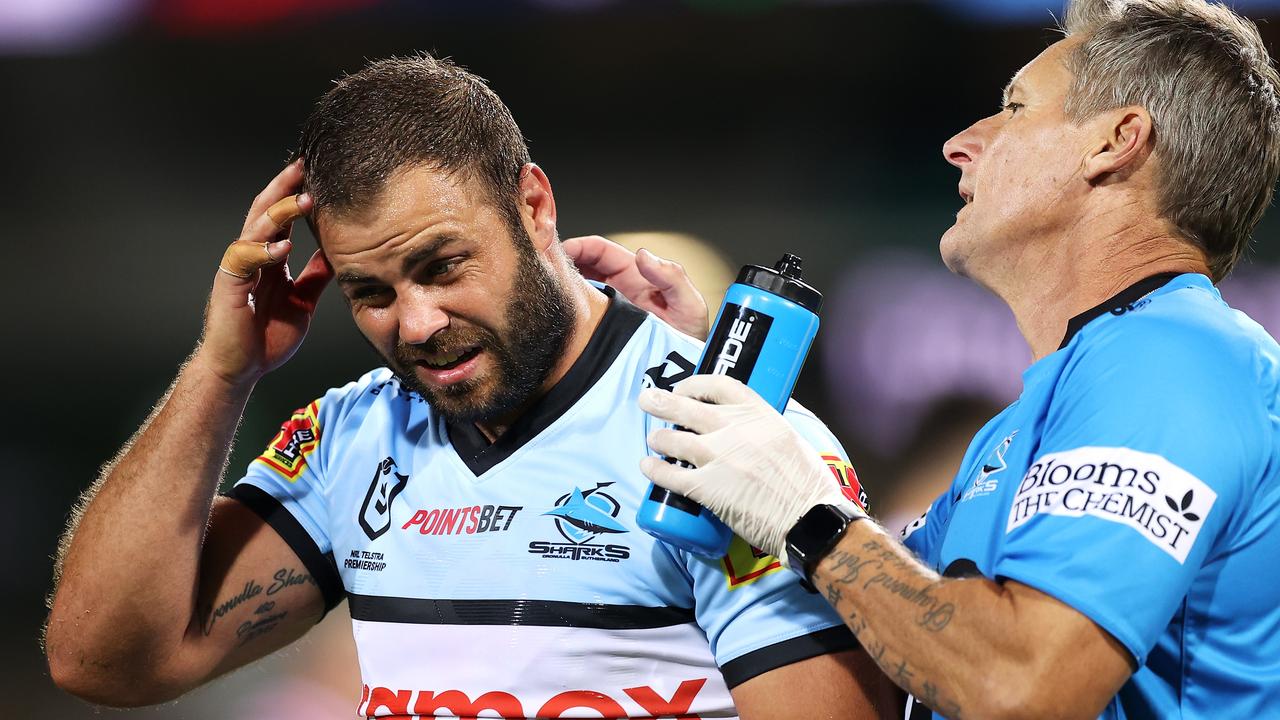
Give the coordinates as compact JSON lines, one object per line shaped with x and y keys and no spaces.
{"x":761,"y":337}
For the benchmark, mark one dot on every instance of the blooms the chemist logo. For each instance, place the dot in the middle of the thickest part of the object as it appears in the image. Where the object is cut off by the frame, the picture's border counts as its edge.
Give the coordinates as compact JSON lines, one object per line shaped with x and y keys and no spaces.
{"x":1162,"y":502}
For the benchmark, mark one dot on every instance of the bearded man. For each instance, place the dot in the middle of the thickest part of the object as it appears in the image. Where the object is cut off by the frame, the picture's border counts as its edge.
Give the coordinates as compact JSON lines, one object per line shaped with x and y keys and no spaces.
{"x":473,"y":500}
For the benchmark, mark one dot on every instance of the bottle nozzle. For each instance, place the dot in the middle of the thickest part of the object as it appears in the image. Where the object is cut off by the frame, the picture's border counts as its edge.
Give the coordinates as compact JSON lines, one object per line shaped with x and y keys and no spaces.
{"x":789,"y":266}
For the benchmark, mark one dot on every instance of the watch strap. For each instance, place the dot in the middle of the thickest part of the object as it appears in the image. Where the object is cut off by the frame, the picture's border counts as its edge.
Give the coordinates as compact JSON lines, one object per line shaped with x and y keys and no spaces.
{"x":814,"y":536}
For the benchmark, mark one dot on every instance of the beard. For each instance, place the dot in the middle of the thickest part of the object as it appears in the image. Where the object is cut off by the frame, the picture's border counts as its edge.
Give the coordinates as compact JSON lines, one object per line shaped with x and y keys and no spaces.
{"x":538,"y":318}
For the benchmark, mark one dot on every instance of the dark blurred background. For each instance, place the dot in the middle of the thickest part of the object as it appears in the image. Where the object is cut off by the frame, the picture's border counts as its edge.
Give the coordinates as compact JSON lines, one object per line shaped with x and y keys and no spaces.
{"x":134,"y":134}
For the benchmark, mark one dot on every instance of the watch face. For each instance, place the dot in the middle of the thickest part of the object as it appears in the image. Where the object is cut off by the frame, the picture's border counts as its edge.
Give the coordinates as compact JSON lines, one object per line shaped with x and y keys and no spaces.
{"x":823,"y":522}
{"x":811,"y":538}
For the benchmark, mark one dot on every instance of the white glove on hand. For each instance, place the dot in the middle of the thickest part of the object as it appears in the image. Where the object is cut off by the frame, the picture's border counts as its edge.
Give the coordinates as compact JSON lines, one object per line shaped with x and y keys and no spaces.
{"x":753,"y":470}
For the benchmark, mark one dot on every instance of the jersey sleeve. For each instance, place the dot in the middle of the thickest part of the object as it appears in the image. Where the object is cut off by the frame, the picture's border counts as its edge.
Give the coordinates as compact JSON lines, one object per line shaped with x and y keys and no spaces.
{"x":286,"y":486}
{"x":1148,"y":443}
{"x":756,"y":614}
{"x":923,"y":536}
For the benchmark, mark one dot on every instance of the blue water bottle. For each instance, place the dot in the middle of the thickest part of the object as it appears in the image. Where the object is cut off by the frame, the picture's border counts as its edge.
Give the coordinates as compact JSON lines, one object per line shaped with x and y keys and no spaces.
{"x":761,"y":337}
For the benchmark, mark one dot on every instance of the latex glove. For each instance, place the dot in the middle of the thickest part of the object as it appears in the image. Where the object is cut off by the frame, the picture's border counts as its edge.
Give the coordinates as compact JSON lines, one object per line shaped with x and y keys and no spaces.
{"x":753,"y":470}
{"x":651,"y":283}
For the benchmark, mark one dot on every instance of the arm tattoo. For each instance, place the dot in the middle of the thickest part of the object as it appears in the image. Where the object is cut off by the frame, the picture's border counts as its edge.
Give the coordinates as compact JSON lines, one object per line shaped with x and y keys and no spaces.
{"x":264,"y":620}
{"x":251,"y":590}
{"x":884,"y":566}
{"x":925,"y":691}
{"x":833,"y":594}
{"x":259,"y":626}
{"x":881,"y":567}
{"x":902,"y":674}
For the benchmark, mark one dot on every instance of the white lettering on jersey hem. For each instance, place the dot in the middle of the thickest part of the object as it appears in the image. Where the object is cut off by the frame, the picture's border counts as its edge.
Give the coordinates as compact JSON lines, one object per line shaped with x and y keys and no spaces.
{"x":1164,"y":503}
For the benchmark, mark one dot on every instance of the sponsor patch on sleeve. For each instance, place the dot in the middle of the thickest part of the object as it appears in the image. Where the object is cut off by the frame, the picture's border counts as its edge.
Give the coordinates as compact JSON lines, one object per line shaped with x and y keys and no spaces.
{"x":744,"y":564}
{"x":1162,"y":502}
{"x":848,"y":479}
{"x":298,"y":437}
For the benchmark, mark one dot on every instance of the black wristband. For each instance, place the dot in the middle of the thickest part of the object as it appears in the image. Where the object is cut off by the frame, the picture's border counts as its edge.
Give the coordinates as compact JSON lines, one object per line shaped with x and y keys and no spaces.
{"x":814,"y":536}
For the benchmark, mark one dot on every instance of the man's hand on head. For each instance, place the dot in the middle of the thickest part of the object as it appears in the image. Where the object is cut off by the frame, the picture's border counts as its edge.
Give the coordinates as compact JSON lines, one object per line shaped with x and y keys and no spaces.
{"x":258,"y":313}
{"x":752,"y":469}
{"x":659,"y":286}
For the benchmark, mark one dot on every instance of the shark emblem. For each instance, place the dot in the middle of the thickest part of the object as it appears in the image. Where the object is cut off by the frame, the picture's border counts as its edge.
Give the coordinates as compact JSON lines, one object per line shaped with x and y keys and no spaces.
{"x":586,"y":514}
{"x":993,"y":464}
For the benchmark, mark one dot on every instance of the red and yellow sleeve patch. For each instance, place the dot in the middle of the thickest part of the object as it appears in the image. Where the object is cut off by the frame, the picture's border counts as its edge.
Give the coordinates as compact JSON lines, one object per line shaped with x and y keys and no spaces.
{"x":744,"y":564}
{"x":848,"y":479}
{"x":298,"y":437}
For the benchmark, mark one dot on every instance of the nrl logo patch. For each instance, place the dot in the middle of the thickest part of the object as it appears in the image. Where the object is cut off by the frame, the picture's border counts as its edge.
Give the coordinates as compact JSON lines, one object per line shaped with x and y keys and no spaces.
{"x":375,"y":512}
{"x":298,"y":437}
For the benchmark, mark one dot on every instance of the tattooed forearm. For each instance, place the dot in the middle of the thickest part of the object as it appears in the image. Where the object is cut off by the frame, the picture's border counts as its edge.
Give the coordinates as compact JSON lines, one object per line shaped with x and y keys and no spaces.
{"x":855,"y":621}
{"x":908,"y":678}
{"x":883,"y":568}
{"x":848,"y":566}
{"x":834,"y":594}
{"x":938,"y":638}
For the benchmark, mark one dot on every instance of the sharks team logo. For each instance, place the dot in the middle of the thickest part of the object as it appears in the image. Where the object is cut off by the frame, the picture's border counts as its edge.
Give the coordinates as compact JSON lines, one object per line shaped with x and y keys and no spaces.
{"x":985,"y":484}
{"x":582,"y":516}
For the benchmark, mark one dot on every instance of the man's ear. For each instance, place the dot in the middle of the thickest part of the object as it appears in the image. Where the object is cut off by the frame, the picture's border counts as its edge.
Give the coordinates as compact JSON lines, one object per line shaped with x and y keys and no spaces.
{"x":537,"y":206}
{"x":1125,"y":142}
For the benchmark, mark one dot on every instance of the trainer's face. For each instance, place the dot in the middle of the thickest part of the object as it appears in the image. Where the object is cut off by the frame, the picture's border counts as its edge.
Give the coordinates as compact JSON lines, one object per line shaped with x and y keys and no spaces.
{"x":461,"y":306}
{"x":1020,"y":173}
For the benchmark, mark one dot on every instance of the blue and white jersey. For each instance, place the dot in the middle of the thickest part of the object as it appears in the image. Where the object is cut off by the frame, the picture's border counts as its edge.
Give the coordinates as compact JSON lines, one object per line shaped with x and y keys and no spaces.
{"x":510,"y":578}
{"x":1137,"y":480}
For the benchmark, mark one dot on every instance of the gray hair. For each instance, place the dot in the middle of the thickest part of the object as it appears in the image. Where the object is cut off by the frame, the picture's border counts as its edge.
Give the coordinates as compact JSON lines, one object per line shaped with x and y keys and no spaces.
{"x":1204,"y":75}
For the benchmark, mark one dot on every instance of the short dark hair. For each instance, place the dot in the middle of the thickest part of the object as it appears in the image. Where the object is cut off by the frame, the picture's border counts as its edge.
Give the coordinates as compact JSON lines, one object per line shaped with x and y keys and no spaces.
{"x":406,"y":111}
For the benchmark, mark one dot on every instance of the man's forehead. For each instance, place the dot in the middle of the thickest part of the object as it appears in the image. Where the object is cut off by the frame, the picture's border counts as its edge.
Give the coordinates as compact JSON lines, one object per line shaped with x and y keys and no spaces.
{"x":410,"y":196}
{"x":410,"y":187}
{"x":1042,"y":68}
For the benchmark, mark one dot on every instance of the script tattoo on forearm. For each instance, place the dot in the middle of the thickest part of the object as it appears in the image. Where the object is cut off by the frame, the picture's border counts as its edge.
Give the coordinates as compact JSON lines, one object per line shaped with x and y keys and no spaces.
{"x":264,"y":620}
{"x":879,"y":566}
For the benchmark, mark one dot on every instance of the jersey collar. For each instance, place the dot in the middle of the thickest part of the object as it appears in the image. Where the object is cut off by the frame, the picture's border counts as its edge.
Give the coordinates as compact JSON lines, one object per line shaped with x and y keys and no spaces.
{"x":620,"y":322}
{"x":1117,"y":304}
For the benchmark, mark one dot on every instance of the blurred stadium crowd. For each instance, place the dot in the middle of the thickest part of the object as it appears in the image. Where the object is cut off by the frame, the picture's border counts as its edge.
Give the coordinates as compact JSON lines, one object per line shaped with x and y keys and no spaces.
{"x":716,"y":132}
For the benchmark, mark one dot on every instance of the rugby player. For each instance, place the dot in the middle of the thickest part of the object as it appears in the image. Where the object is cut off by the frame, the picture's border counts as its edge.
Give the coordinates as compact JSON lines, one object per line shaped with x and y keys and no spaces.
{"x":474,"y":500}
{"x":1108,"y":546}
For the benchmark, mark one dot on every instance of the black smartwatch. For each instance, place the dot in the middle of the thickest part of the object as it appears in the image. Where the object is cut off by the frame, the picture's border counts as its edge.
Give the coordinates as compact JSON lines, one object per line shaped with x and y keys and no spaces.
{"x":814,"y":536}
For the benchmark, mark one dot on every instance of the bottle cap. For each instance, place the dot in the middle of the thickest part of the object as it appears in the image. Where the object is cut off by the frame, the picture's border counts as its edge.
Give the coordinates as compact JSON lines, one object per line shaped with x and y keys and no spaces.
{"x":783,"y":280}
